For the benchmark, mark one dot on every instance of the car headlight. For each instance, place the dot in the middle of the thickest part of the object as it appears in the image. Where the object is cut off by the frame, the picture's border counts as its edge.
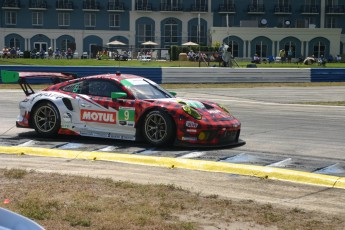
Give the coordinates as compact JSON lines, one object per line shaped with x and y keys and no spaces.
{"x":223,"y":108}
{"x":191,"y":111}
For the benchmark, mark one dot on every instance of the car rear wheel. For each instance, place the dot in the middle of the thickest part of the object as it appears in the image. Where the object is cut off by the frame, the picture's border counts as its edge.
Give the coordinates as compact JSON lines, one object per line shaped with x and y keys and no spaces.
{"x":158,"y":128}
{"x":46,"y":119}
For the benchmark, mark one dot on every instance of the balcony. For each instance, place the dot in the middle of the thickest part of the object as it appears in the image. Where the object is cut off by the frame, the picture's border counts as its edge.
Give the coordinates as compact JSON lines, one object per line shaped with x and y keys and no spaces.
{"x":171,"y":7}
{"x":11,"y":5}
{"x":310,"y":9}
{"x":335,"y":9}
{"x":91,"y":6}
{"x":282,"y":9}
{"x":38,"y":5}
{"x":141,"y":7}
{"x":256,"y":9}
{"x":227,"y":9}
{"x":116,"y":7}
{"x":199,"y":8}
{"x":64,"y":6}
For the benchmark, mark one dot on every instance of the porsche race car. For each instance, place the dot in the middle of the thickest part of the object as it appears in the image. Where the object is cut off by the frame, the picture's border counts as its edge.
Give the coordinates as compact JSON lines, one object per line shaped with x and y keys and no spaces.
{"x":121,"y":106}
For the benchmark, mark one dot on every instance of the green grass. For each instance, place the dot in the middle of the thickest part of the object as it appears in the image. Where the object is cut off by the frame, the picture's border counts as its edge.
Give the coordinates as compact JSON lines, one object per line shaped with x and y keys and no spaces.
{"x":136,"y":63}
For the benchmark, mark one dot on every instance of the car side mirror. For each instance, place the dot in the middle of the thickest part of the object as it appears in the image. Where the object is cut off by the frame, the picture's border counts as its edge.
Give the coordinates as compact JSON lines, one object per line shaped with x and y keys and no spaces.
{"x":173,"y":93}
{"x":117,"y":95}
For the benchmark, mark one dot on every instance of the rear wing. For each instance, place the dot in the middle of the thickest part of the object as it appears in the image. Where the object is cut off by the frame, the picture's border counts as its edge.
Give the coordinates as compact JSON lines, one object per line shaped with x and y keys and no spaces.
{"x":21,"y":78}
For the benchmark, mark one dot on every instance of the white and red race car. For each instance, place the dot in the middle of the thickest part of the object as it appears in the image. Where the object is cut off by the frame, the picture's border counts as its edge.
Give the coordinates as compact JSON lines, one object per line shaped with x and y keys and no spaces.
{"x":121,"y":106}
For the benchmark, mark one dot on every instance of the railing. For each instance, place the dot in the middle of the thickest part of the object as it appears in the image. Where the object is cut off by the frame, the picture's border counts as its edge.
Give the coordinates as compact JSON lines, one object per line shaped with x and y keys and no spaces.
{"x":170,"y":7}
{"x":260,"y":8}
{"x":141,"y":7}
{"x":227,"y":8}
{"x":199,"y":8}
{"x":38,"y":4}
{"x":115,"y":6}
{"x":309,"y":9}
{"x":282,"y":9}
{"x":12,"y":4}
{"x":64,"y":5}
{"x":335,"y":9}
{"x":91,"y":5}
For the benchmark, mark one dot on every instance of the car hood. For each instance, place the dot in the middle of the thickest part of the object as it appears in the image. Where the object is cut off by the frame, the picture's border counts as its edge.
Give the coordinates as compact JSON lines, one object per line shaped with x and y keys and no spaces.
{"x":183,"y":101}
{"x":206,"y":108}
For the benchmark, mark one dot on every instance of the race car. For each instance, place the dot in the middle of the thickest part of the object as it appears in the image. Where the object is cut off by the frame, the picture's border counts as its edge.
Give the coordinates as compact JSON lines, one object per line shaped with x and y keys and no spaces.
{"x":121,"y":106}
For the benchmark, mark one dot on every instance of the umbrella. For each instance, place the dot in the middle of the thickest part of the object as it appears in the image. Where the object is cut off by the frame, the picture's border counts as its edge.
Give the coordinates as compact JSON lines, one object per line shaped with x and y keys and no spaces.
{"x":190,"y":44}
{"x":116,"y":42}
{"x":149,"y":43}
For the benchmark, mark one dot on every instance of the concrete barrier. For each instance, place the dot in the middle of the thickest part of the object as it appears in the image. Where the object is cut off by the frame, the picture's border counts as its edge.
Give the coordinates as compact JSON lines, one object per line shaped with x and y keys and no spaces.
{"x":232,"y":75}
{"x":203,"y":74}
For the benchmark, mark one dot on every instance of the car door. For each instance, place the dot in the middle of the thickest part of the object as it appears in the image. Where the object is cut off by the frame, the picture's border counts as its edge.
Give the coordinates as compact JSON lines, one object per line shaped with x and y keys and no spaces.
{"x":103,"y":116}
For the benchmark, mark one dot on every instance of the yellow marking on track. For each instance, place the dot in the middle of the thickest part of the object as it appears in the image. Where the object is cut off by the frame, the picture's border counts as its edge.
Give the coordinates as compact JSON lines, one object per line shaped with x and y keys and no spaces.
{"x":192,"y":164}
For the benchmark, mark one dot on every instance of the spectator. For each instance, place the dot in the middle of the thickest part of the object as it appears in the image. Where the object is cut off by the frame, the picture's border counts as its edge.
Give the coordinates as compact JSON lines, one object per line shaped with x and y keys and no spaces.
{"x":322,"y":61}
{"x":256,"y":59}
{"x":282,"y":55}
{"x":57,"y":54}
{"x":13,"y":53}
{"x":50,"y":53}
{"x":33,"y":53}
{"x":338,"y":58}
{"x":5,"y":53}
{"x":289,"y":55}
{"x":69,"y":53}
{"x":191,"y":55}
{"x":42,"y":53}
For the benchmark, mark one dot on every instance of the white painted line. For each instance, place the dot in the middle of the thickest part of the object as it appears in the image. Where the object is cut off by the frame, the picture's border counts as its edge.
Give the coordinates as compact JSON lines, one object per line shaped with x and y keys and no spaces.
{"x":28,"y":143}
{"x":192,"y":155}
{"x":281,"y":164}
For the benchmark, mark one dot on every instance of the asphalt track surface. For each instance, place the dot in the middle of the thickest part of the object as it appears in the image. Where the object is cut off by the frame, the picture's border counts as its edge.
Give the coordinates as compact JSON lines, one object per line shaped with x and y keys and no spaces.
{"x":284,"y":140}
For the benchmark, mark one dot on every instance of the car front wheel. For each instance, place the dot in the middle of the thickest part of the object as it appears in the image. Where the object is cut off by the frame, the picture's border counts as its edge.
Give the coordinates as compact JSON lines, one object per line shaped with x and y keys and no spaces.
{"x":46,"y":119}
{"x":158,"y":128}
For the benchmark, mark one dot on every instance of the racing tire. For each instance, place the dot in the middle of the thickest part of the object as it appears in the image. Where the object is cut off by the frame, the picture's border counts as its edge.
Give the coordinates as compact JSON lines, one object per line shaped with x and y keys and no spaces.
{"x":46,"y":119}
{"x":158,"y":128}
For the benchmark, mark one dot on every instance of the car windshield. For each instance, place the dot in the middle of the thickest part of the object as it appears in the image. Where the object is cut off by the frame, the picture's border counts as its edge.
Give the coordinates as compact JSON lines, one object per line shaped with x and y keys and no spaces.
{"x":145,"y":89}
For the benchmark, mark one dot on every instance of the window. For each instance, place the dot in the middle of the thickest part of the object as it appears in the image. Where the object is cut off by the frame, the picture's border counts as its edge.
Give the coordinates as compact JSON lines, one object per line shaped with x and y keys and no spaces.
{"x":64,"y":19}
{"x":261,"y":49}
{"x":66,"y":43}
{"x":331,"y":22}
{"x":283,"y":3}
{"x":14,"y":42}
{"x":11,"y":18}
{"x":196,"y":37}
{"x":101,"y":88}
{"x":145,"y":32}
{"x":37,"y":18}
{"x":73,"y":88}
{"x":319,"y":49}
{"x":142,"y":4}
{"x":332,"y":2}
{"x":170,"y":32}
{"x":310,"y":2}
{"x":90,"y":20}
{"x":114,"y":20}
{"x":290,"y":46}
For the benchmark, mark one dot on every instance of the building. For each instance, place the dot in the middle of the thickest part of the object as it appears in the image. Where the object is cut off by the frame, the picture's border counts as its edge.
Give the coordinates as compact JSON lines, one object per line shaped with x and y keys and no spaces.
{"x":263,"y":27}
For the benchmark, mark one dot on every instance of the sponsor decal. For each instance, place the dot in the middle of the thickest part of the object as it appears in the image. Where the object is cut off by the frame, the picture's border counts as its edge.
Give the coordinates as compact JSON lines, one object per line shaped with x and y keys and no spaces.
{"x":189,"y":138}
{"x":67,"y":117}
{"x":98,"y":116}
{"x":126,"y":116}
{"x":214,"y":111}
{"x":191,"y":130}
{"x":191,"y":124}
